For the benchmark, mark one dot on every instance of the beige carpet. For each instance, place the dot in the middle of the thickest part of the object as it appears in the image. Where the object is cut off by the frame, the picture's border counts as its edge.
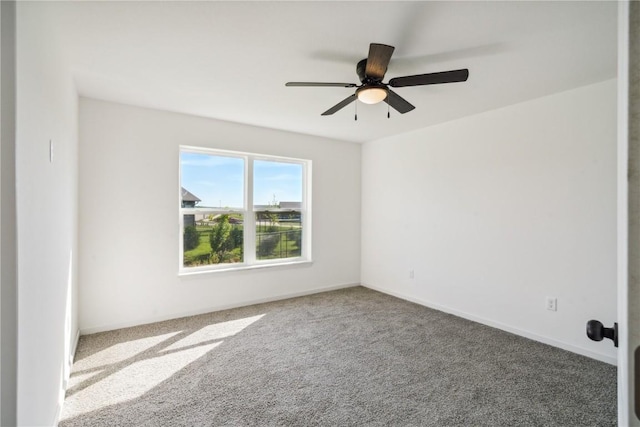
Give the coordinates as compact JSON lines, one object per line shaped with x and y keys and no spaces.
{"x":348,"y":357}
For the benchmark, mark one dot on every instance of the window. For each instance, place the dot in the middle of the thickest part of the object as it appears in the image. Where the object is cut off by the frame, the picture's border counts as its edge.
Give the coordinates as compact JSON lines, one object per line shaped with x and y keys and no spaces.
{"x":242,"y":210}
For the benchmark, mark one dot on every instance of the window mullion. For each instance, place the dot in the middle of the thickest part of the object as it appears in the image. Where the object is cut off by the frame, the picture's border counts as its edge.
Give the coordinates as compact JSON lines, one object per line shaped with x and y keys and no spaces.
{"x":306,"y":211}
{"x":181,"y":239}
{"x":250,"y":220}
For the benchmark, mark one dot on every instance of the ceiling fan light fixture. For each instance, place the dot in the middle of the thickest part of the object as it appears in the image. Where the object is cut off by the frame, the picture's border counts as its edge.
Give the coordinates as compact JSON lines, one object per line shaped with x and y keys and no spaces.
{"x":372,"y":95}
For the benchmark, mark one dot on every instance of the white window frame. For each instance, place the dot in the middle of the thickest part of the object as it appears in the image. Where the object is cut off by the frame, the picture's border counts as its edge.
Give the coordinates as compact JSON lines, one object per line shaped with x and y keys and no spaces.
{"x":248,"y":213}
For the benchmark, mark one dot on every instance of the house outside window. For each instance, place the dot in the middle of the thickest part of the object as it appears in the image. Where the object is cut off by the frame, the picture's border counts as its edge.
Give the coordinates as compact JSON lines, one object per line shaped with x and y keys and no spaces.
{"x":189,"y":201}
{"x":242,"y":210}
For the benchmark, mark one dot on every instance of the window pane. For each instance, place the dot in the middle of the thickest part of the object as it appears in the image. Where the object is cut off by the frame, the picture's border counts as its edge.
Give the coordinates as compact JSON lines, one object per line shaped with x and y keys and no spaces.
{"x":278,"y":235}
{"x":211,"y":181}
{"x":212,"y":239}
{"x":277,"y":185}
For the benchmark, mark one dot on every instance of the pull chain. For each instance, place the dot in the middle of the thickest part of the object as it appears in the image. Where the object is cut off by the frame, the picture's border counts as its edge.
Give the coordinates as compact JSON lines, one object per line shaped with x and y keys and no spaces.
{"x":388,"y":113}
{"x":356,"y":116}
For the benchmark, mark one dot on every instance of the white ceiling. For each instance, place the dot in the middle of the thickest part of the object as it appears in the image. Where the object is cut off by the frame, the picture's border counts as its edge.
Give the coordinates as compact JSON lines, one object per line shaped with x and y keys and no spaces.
{"x":230,"y":60}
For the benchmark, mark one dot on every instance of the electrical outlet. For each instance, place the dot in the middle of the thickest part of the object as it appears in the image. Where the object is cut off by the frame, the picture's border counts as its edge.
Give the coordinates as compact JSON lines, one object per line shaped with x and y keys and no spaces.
{"x":552,"y":304}
{"x":411,"y":274}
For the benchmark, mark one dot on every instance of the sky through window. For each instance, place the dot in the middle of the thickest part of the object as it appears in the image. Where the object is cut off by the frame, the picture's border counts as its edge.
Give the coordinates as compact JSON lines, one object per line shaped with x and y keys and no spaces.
{"x":218,"y":181}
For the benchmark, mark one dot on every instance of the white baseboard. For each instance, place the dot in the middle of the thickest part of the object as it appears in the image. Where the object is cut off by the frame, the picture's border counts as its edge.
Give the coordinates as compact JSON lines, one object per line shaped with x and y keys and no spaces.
{"x":104,"y":328}
{"x":72,"y":352}
{"x":498,"y":325}
{"x":65,"y":380}
{"x":57,"y":416}
{"x":72,"y":355}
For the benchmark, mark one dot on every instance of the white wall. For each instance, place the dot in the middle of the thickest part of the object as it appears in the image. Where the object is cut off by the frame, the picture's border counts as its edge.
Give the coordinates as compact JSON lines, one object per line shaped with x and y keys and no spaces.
{"x":129,"y":232}
{"x":497,"y":211}
{"x":47,"y":217}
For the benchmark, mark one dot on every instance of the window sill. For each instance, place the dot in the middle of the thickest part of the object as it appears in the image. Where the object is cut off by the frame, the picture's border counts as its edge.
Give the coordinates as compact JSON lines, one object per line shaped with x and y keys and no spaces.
{"x":186,"y":273}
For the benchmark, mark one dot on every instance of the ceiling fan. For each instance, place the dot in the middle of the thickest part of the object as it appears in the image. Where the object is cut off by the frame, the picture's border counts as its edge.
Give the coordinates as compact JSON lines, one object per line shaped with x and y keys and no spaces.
{"x":371,"y":71}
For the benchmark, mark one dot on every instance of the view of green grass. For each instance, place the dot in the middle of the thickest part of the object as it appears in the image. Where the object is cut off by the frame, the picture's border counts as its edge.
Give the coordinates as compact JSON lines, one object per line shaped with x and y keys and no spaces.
{"x":201,"y":255}
{"x":286,"y":247}
{"x":195,"y":256}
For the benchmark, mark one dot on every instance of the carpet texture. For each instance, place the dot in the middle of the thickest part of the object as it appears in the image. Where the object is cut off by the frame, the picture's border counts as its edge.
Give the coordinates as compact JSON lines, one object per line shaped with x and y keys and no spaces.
{"x":347,"y":357}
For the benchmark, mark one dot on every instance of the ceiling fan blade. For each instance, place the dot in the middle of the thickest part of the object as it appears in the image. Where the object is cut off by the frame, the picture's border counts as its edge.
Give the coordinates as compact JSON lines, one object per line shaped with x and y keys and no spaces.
{"x":431,"y":78}
{"x":316,"y":84}
{"x":378,"y":60}
{"x":340,"y":105}
{"x":397,"y":102}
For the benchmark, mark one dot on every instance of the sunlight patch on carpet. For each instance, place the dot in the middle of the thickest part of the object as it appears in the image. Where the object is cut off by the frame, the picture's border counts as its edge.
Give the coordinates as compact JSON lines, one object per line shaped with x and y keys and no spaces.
{"x":132,"y":381}
{"x":214,"y":332}
{"x":120,"y":352}
{"x":138,"y":367}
